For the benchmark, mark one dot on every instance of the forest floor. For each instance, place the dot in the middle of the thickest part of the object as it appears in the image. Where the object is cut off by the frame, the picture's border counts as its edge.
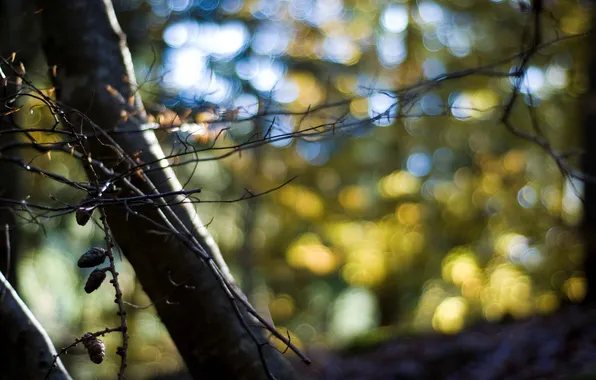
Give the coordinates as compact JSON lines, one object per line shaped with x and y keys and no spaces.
{"x":558,"y":346}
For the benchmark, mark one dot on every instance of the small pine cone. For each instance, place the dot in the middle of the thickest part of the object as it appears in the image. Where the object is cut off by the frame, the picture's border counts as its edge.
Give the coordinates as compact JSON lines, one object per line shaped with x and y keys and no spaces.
{"x":92,"y":258}
{"x":82,"y":215}
{"x":94,"y":280}
{"x":95,"y":347}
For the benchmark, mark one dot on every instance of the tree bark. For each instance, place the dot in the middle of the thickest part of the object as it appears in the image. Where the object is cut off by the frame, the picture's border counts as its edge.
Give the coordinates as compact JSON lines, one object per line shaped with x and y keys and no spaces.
{"x":83,"y":40}
{"x":15,"y":21}
{"x":25,"y":347}
{"x":588,"y":110}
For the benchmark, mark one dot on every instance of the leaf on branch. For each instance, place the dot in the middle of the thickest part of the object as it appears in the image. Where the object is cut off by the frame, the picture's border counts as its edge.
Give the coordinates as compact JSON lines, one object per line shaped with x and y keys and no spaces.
{"x":207,"y":115}
{"x":169,"y":118}
{"x":11,"y":111}
{"x":111,"y":90}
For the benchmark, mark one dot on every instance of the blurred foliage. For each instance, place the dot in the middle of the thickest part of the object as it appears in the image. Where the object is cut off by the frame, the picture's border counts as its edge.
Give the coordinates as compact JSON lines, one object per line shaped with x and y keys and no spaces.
{"x":426,"y":219}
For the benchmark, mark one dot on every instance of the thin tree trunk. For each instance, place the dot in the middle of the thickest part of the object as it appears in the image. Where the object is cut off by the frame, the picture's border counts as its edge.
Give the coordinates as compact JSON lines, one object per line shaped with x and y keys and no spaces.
{"x":84,"y":41}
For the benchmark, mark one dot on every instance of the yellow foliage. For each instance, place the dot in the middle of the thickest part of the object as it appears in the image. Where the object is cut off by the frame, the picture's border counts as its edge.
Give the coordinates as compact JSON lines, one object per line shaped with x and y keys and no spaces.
{"x":398,"y":184}
{"x":449,"y":316}
{"x":305,"y":202}
{"x":308,"y":252}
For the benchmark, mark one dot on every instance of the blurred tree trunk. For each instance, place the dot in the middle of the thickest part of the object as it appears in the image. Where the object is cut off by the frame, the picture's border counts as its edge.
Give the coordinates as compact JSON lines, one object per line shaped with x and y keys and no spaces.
{"x":83,"y":40}
{"x":589,"y":170}
{"x":15,"y":21}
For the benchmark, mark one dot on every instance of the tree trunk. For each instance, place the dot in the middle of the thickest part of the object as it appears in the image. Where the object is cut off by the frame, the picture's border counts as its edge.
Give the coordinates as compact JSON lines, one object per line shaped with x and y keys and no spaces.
{"x":588,"y":110}
{"x":83,"y":40}
{"x":16,"y":22}
{"x":25,"y":347}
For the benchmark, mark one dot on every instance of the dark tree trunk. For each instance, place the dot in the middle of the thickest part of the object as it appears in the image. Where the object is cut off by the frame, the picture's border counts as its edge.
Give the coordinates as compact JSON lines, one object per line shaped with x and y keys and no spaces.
{"x":589,"y":170}
{"x":26,"y":351}
{"x":84,"y":41}
{"x":17,"y":21}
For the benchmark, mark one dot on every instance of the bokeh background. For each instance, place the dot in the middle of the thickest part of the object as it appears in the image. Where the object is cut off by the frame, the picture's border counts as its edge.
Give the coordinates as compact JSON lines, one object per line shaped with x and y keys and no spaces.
{"x":428,"y":218}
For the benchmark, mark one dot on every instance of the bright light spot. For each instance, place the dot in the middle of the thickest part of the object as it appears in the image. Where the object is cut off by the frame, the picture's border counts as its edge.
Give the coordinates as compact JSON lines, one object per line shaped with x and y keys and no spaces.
{"x":459,"y":43}
{"x":408,"y":213}
{"x":315,"y":152}
{"x":433,"y":67}
{"x":419,"y":164}
{"x":286,"y":92}
{"x":556,"y":76}
{"x":430,"y":12}
{"x":460,"y":108}
{"x":392,"y":49}
{"x":398,"y":184}
{"x":449,"y":315}
{"x":177,"y":34}
{"x":278,"y":133}
{"x":432,"y":104}
{"x":305,"y":202}
{"x":218,"y":91}
{"x":341,"y":49}
{"x":354,"y":312}
{"x":230,"y":40}
{"x":532,"y":258}
{"x":512,"y":246}
{"x":231,"y":6}
{"x":218,"y":41}
{"x":325,"y":11}
{"x":263,"y":73}
{"x":300,"y":9}
{"x":179,"y":5}
{"x":308,"y":252}
{"x":460,"y":266}
{"x":186,"y":67}
{"x":268,"y":76}
{"x":575,"y":288}
{"x":247,"y":105}
{"x":477,"y":105}
{"x":382,"y":107}
{"x":431,"y":41}
{"x":160,"y":8}
{"x":572,"y":203}
{"x":395,"y":18}
{"x":247,"y":68}
{"x":527,"y":197}
{"x":271,"y":39}
{"x":265,"y":9}
{"x":532,"y":81}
